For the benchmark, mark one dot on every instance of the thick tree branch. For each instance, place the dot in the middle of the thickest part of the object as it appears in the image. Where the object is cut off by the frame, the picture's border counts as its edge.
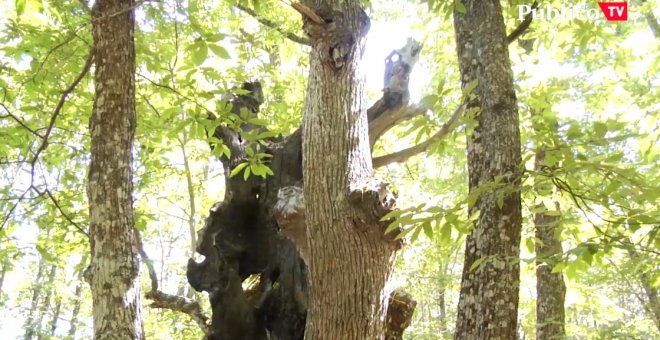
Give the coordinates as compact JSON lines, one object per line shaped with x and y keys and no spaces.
{"x":391,"y":118}
{"x":523,"y":25}
{"x":291,"y":36}
{"x":168,"y":301}
{"x":404,"y":154}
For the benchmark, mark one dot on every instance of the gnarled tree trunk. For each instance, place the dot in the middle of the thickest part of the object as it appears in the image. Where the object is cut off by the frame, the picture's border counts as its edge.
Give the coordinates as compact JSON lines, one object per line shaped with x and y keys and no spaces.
{"x":488,"y":303}
{"x":115,"y":265}
{"x":260,"y":227}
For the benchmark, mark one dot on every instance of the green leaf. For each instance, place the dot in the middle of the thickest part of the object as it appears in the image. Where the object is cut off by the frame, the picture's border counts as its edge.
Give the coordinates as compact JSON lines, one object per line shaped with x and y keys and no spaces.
{"x":415,"y":234}
{"x":529,"y":243}
{"x":429,"y":100}
{"x":219,"y":51}
{"x":600,"y":128}
{"x":238,"y":169}
{"x":469,"y":88}
{"x":445,"y":233}
{"x":390,"y":227}
{"x":428,"y":229}
{"x":477,"y":263}
{"x":199,"y":52}
{"x":214,"y":37}
{"x":460,"y":7}
{"x":559,"y":267}
{"x":246,"y":174}
{"x":20,"y":7}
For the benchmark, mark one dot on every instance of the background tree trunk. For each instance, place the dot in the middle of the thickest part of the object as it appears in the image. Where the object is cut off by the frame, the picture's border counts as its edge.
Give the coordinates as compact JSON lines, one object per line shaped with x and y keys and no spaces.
{"x":114,"y":268}
{"x":488,"y":303}
{"x":73,"y":323}
{"x":56,"y":317}
{"x":37,"y":287}
{"x":45,"y":305}
{"x":652,"y":302}
{"x":550,"y":287}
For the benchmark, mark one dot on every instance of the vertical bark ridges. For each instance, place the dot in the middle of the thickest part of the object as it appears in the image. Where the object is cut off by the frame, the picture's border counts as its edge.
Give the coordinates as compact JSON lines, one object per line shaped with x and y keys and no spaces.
{"x":488,"y":302}
{"x":115,"y":265}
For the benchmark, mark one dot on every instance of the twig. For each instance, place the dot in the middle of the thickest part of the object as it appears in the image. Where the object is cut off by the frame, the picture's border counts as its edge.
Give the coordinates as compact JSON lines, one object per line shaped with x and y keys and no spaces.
{"x":51,"y":51}
{"x":291,"y":36}
{"x":59,"y":208}
{"x":44,"y":145}
{"x":175,"y":91}
{"x":11,"y":210}
{"x":404,"y":154}
{"x":19,"y":121}
{"x":58,"y":108}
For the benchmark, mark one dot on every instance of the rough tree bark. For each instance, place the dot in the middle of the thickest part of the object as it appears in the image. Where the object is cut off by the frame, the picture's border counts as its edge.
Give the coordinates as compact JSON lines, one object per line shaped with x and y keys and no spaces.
{"x":349,"y":258}
{"x":488,"y":303}
{"x":115,"y":265}
{"x":260,"y":227}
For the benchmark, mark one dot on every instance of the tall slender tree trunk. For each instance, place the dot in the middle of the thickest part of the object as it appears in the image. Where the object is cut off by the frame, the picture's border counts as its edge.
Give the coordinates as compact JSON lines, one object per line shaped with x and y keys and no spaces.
{"x":550,"y":287}
{"x":36,"y":294}
{"x":652,"y":303}
{"x":3,"y":272}
{"x":488,"y":303}
{"x":76,"y":305}
{"x":115,"y":265}
{"x":45,"y":305}
{"x":348,"y":256}
{"x":56,"y":317}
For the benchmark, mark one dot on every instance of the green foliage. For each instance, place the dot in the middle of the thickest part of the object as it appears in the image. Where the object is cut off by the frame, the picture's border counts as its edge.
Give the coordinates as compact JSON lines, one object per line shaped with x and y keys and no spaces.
{"x":587,"y":91}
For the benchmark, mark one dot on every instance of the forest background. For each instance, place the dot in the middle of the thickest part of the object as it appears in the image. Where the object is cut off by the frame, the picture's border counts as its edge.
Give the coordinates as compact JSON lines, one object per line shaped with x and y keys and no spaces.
{"x":587,"y":89}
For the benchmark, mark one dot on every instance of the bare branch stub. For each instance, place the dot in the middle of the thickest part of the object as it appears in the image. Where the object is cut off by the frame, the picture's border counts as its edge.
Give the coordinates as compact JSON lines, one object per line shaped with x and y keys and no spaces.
{"x":398,"y":66}
{"x":401,"y":307}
